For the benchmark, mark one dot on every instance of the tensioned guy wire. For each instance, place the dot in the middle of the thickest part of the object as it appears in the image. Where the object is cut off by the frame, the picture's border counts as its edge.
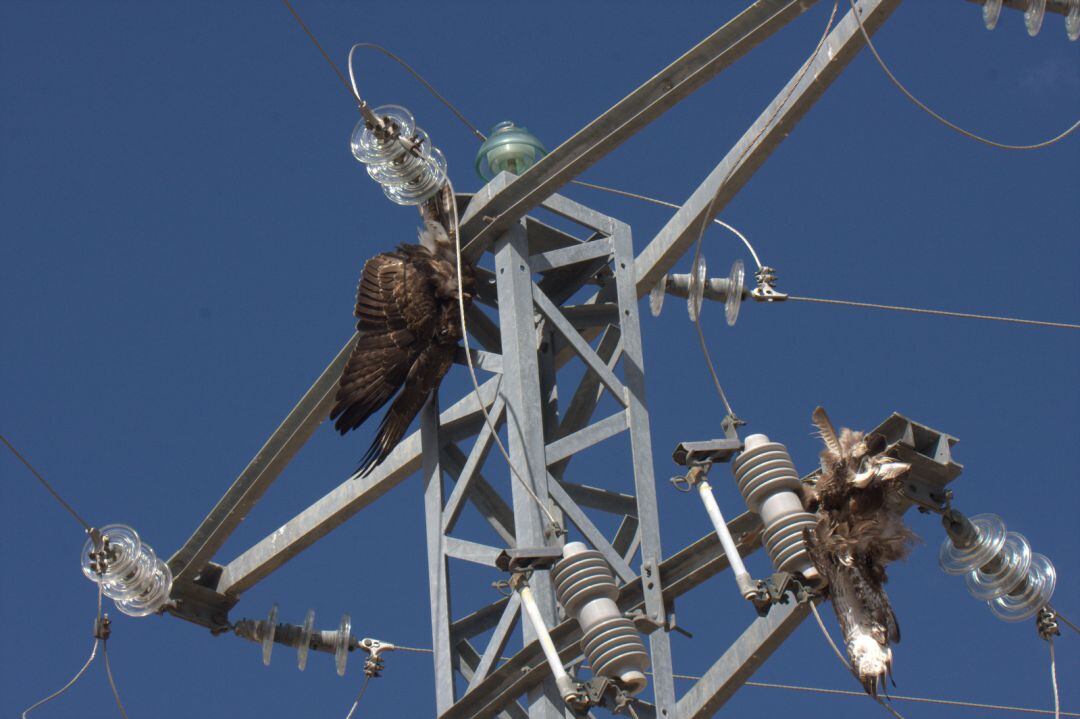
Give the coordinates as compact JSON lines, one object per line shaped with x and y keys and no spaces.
{"x":46,"y":485}
{"x":951,"y":125}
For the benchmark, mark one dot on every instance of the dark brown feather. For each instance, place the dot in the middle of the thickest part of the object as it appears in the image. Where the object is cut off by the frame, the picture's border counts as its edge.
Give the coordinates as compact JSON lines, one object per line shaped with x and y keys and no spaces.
{"x":408,"y":325}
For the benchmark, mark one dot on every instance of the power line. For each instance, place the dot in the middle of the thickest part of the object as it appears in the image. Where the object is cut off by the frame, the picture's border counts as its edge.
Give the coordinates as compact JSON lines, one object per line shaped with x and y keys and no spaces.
{"x":951,"y":125}
{"x":46,"y":485}
{"x":311,"y":36}
{"x":420,"y":78}
{"x":664,"y":203}
{"x":939,"y":313}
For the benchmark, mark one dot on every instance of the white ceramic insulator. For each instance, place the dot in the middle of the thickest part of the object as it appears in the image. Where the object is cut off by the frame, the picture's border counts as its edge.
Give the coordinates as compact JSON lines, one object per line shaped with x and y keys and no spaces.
{"x":768,"y":482}
{"x":586,"y":589}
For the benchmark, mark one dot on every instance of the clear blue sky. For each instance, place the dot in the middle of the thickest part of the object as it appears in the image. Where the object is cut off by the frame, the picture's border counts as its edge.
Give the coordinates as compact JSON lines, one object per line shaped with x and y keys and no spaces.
{"x":183,"y":227}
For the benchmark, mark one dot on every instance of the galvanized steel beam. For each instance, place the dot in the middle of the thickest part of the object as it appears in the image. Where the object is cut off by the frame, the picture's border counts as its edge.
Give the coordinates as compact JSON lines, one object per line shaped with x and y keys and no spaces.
{"x":659,"y":94}
{"x":261,"y":471}
{"x":757,"y":143}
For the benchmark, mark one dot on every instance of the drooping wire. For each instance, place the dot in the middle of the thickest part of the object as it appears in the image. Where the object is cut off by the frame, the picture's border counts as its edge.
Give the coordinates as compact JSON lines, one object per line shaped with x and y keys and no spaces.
{"x":112,"y":682}
{"x":356,"y":702}
{"x":951,"y":125}
{"x":71,"y":682}
{"x":423,"y":81}
{"x":664,"y":203}
{"x":46,"y":485}
{"x":939,"y":313}
{"x":556,"y":527}
{"x":712,"y":203}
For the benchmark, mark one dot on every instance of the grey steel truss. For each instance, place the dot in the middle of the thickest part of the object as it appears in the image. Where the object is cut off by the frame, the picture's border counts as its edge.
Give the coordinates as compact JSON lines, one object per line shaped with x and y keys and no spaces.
{"x":557,"y":298}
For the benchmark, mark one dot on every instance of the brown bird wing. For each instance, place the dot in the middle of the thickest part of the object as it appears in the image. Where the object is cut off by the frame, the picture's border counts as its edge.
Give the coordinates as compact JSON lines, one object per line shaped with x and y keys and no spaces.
{"x":424,"y":377}
{"x":395,"y":310}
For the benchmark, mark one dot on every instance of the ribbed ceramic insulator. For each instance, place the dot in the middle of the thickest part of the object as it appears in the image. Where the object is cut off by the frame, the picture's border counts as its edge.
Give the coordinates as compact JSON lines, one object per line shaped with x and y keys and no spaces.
{"x":768,"y":482}
{"x":586,"y":589}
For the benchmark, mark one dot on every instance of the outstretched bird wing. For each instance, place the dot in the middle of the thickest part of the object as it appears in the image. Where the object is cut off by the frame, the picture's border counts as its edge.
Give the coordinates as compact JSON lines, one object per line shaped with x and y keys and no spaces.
{"x":395,"y":310}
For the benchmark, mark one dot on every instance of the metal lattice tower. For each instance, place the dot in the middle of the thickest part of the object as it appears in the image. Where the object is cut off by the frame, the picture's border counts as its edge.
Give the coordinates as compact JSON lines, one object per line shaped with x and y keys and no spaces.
{"x":538,"y":272}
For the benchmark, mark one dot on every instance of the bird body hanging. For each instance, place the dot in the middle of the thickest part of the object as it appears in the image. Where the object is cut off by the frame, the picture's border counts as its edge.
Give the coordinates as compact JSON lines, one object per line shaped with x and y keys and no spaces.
{"x":859,"y":531}
{"x":409,"y":326}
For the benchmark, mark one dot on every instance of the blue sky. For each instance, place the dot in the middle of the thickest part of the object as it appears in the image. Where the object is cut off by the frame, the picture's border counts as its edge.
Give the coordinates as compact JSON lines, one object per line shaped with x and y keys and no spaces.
{"x":183,"y":227}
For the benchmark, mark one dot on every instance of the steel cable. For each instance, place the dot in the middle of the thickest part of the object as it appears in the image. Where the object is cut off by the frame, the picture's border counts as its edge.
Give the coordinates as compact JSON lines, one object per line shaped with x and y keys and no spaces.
{"x":951,"y":125}
{"x":939,"y":313}
{"x":46,"y":485}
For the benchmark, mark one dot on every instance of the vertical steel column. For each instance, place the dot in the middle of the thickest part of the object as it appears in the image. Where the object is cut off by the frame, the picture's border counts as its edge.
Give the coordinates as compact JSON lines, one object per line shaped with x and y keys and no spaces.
{"x":438,"y":575}
{"x":524,"y":409}
{"x":637,"y":414}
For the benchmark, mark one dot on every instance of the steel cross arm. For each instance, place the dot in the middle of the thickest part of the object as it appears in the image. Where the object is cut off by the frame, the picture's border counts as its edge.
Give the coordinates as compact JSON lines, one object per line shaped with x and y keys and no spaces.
{"x":659,"y":94}
{"x":757,"y":143}
{"x":261,"y":472}
{"x":679,"y":574}
{"x":332,"y":509}
{"x":741,"y":660}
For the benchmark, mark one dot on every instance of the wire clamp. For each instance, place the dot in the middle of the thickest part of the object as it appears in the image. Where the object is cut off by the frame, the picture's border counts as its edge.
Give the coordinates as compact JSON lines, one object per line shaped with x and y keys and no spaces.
{"x":766,"y":290}
{"x":374,"y":665}
{"x":1046,"y":624}
{"x":103,"y":627}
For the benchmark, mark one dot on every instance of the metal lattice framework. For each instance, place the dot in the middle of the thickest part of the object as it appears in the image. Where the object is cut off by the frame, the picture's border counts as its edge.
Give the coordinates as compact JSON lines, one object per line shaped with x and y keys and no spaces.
{"x":535,"y":331}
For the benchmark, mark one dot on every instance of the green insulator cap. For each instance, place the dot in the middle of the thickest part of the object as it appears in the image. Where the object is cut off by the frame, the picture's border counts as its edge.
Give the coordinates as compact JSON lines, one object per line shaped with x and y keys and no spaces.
{"x":508,"y":148}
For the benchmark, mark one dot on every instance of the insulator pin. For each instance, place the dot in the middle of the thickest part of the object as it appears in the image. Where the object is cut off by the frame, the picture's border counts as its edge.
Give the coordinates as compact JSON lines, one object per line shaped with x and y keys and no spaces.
{"x":586,"y":589}
{"x":767,"y":480}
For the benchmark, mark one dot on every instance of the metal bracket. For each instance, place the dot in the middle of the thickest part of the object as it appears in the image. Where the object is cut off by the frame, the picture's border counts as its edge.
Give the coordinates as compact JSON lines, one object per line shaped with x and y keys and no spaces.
{"x":710,"y":451}
{"x":103,"y":627}
{"x":374,"y":665}
{"x":766,"y":290}
{"x":528,"y":558}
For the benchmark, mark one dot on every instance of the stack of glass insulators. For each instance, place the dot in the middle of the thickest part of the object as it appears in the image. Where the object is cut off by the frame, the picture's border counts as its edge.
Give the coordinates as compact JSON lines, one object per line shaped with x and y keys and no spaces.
{"x":1033,"y":16}
{"x":128,"y":571}
{"x":399,"y":156}
{"x":1001,"y":569}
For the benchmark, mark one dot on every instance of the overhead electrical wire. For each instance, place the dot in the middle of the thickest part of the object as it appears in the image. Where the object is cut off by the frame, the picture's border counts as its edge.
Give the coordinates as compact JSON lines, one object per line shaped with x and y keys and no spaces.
{"x":925,"y":108}
{"x":1053,"y":679}
{"x":356,"y":702}
{"x":939,"y":313}
{"x":656,"y":201}
{"x":351,"y":86}
{"x":45,"y":483}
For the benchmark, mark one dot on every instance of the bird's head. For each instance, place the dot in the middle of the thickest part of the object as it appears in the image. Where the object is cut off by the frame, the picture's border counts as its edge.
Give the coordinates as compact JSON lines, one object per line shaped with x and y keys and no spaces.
{"x":856,"y":457}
